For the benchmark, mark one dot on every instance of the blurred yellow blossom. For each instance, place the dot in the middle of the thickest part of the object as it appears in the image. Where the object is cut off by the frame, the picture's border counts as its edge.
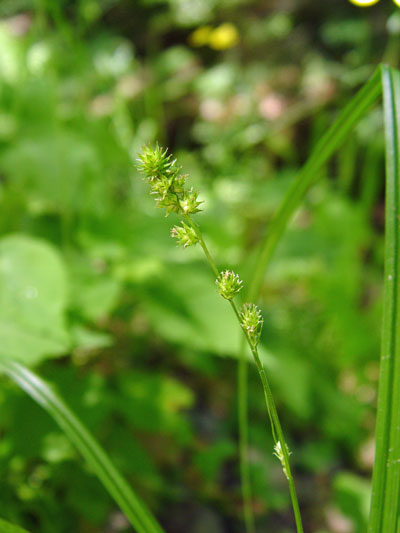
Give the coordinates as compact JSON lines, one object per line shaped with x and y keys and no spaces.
{"x":201,"y":36}
{"x":364,"y":3}
{"x":221,"y":38}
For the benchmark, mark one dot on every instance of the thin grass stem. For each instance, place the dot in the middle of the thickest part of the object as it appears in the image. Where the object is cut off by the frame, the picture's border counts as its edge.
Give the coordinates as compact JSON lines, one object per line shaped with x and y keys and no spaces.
{"x":276,"y":427}
{"x":247,"y":495}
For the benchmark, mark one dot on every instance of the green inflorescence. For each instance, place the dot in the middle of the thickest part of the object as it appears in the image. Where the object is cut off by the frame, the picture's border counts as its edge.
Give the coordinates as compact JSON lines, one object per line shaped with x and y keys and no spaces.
{"x":167,"y":181}
{"x":229,"y":284}
{"x":252,"y":322}
{"x":185,"y":235}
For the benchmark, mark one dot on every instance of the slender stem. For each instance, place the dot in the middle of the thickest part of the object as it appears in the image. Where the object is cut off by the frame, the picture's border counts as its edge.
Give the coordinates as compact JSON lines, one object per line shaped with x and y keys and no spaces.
{"x":277,"y":432}
{"x":259,"y":365}
{"x":247,"y":496}
{"x":203,"y":244}
{"x":242,"y":405}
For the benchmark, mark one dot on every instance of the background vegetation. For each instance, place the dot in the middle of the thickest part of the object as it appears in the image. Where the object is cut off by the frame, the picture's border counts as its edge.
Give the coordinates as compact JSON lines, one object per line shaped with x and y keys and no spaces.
{"x":128,"y":326}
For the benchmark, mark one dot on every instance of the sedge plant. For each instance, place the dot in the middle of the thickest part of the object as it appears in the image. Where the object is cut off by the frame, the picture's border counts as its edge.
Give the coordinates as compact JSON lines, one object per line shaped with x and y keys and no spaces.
{"x":168,"y":186}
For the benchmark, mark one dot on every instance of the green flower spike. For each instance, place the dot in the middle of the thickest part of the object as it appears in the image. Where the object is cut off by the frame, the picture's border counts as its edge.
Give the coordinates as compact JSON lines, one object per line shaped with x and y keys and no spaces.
{"x":167,"y":181}
{"x":229,"y":284}
{"x":279,"y":454}
{"x":251,"y":321}
{"x":168,"y":186}
{"x":185,"y":235}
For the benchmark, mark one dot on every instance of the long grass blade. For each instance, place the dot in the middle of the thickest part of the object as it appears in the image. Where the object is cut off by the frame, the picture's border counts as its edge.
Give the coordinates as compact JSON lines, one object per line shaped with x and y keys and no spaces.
{"x":325,"y":148}
{"x":134,"y":509}
{"x":385,"y":502}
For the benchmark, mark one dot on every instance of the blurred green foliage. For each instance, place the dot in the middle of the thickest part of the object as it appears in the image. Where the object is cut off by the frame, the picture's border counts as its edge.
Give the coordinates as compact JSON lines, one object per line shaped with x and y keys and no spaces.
{"x":128,"y":326}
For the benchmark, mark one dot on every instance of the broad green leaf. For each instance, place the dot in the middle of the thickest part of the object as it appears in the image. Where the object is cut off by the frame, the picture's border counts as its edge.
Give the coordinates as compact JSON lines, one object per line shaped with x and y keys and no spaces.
{"x":184,"y":308}
{"x":94,"y":295}
{"x":352,"y":494}
{"x":56,"y":168}
{"x":6,"y":527}
{"x":33,"y":291}
{"x":86,"y":339}
{"x":210,"y":459}
{"x":10,"y":56}
{"x":154,"y":403}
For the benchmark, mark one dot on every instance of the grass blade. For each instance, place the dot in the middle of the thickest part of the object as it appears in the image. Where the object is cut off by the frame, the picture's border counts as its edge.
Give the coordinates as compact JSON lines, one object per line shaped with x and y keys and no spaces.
{"x":385,"y":503}
{"x":135,"y":510}
{"x":325,"y":148}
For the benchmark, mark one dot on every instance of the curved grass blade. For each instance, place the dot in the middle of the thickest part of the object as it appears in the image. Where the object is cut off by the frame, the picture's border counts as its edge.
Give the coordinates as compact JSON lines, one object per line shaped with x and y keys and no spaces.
{"x":326,"y":147}
{"x":134,"y":509}
{"x":7,"y":527}
{"x":385,"y":503}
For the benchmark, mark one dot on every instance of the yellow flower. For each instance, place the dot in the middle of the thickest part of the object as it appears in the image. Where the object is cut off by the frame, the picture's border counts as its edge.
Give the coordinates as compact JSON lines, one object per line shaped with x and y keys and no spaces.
{"x":201,"y":36}
{"x":364,"y":3}
{"x":223,"y":37}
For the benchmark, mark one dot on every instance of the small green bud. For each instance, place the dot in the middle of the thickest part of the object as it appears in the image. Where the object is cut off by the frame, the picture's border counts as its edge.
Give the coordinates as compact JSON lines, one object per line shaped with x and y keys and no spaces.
{"x":185,"y":235}
{"x":189,"y":203}
{"x":229,"y":284}
{"x":169,"y":201}
{"x":279,"y":454}
{"x":251,"y":321}
{"x":179,"y":182}
{"x":161,"y":187}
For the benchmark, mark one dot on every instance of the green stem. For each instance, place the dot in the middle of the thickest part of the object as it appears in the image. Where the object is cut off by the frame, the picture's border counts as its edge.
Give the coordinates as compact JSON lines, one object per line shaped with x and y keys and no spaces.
{"x":258,"y":363}
{"x":276,"y":427}
{"x":278,"y":436}
{"x":247,"y":496}
{"x":242,"y":405}
{"x":203,"y":244}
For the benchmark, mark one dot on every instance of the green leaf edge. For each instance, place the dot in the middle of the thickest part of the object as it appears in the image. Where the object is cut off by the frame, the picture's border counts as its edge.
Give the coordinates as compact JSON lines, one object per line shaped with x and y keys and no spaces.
{"x":7,"y":527}
{"x":134,"y":509}
{"x":385,"y":500}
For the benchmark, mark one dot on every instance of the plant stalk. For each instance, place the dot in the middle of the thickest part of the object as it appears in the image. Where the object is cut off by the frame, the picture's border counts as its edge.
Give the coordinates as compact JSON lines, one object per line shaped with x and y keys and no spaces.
{"x":247,"y":496}
{"x":276,"y":427}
